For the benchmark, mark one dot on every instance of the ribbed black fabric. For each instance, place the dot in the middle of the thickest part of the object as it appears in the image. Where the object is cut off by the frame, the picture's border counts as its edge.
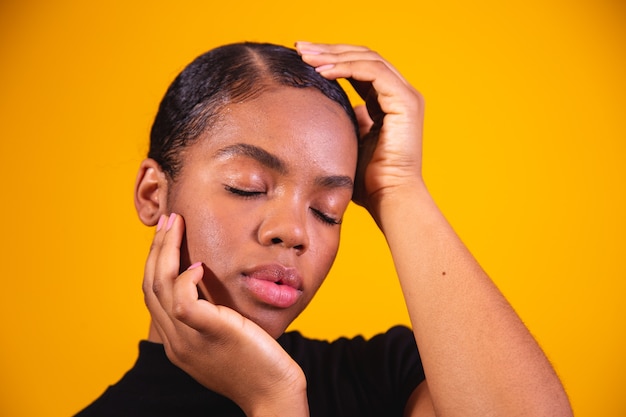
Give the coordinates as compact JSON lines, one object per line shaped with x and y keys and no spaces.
{"x":347,"y":377}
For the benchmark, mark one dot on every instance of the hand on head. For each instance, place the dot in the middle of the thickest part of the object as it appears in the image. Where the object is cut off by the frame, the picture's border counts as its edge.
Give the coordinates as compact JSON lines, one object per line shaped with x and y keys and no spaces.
{"x":217,"y":345}
{"x":391,"y":128}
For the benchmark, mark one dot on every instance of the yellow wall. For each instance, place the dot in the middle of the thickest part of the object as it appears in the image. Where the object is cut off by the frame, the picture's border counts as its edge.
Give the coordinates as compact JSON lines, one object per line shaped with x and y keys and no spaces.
{"x":525,"y":152}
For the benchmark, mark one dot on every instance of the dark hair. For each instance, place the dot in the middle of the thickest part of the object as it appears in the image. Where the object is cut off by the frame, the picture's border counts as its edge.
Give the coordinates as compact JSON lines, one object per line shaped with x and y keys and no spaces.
{"x":230,"y":73}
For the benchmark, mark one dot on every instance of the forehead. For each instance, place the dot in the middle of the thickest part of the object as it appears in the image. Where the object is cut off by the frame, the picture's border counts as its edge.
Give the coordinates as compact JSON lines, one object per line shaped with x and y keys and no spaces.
{"x":301,"y":126}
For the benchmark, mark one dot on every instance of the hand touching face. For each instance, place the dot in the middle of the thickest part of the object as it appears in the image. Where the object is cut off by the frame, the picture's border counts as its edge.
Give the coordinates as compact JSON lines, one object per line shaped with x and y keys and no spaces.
{"x":263,"y":194}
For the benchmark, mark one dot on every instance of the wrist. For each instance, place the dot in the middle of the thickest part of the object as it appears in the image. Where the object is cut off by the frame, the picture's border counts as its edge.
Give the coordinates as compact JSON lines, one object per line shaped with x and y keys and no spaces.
{"x":295,"y":404}
{"x":289,"y":399}
{"x":400,"y":200}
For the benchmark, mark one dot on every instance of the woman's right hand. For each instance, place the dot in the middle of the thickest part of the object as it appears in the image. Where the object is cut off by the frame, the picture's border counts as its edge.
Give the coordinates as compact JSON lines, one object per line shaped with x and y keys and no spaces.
{"x":218,"y":347}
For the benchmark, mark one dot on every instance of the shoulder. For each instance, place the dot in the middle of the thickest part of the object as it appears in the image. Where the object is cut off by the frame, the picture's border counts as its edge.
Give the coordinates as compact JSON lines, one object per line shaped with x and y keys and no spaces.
{"x":397,"y":338}
{"x":357,"y":375}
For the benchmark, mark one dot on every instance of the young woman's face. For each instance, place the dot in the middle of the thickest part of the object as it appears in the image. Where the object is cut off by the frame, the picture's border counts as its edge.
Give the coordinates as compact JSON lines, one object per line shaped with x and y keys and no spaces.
{"x":263,"y":194}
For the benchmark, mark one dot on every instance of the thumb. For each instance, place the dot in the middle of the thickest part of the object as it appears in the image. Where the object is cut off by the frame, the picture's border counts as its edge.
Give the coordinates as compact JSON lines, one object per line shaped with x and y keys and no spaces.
{"x":364,"y":120}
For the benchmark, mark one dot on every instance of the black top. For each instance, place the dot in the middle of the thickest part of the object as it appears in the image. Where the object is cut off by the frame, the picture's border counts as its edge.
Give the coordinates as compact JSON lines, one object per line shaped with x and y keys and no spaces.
{"x":347,"y":377}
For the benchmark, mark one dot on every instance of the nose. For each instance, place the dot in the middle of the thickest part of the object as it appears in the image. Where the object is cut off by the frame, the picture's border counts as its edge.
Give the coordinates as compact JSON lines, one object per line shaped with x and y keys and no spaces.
{"x":285,"y":225}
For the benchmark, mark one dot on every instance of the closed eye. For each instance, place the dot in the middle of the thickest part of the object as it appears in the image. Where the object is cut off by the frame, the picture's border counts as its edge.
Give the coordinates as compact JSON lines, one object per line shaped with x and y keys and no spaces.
{"x":242,"y":193}
{"x":325,"y":218}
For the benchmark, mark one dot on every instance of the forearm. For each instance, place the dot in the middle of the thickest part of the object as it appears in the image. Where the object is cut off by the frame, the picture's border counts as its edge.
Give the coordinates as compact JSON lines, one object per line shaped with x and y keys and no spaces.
{"x":478,"y":356}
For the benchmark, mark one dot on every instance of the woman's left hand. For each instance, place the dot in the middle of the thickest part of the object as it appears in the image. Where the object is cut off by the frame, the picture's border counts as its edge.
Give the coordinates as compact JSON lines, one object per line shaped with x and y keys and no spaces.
{"x":466,"y":331}
{"x":390,"y":156}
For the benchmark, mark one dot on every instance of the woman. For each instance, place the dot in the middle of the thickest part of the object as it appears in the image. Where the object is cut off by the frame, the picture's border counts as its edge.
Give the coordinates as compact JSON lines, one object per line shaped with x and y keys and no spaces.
{"x":255,"y":155}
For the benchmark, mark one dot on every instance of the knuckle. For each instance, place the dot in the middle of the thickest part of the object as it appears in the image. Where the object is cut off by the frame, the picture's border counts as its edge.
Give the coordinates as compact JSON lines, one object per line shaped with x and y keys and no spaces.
{"x":146,"y":292}
{"x":145,"y":287}
{"x":180,"y":310}
{"x":380,"y":64}
{"x":376,"y":56}
{"x":157,"y":288}
{"x":155,"y":244}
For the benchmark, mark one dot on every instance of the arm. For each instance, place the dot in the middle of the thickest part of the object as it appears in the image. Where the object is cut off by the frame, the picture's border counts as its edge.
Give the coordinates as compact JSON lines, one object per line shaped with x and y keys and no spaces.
{"x":478,"y":357}
{"x":218,"y":347}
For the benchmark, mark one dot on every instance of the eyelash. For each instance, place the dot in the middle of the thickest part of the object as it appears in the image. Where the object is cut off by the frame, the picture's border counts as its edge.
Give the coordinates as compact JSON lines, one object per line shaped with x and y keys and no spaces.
{"x":324,"y":218}
{"x":243,"y":193}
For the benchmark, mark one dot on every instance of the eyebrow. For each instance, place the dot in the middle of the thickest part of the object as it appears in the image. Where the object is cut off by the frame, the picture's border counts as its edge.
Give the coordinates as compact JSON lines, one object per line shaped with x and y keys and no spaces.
{"x":335,"y":181}
{"x":275,"y":163}
{"x":258,"y":154}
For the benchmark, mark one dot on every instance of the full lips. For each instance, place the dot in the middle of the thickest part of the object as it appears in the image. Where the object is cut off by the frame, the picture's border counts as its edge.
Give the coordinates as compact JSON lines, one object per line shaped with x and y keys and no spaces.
{"x":272,"y":293}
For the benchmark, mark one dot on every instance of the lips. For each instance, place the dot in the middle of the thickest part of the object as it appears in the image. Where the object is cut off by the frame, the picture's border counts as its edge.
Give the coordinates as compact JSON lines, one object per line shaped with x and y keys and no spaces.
{"x":274,"y":285}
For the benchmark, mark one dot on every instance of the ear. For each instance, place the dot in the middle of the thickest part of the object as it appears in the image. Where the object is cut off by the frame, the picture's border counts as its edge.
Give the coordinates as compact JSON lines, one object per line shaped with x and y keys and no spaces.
{"x":150,"y":192}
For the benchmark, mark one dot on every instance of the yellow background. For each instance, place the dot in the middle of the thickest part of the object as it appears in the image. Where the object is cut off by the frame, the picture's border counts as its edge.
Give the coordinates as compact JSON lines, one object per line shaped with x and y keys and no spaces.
{"x":525,"y":153}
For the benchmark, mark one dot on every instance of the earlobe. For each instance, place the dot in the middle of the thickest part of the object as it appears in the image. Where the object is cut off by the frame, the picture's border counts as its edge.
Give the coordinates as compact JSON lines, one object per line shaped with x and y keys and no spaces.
{"x":150,"y":192}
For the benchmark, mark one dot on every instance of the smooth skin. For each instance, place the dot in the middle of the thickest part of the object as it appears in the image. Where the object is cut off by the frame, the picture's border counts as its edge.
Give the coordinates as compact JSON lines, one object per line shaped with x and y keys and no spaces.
{"x":479,"y":358}
{"x":264,"y":189}
{"x":261,"y":194}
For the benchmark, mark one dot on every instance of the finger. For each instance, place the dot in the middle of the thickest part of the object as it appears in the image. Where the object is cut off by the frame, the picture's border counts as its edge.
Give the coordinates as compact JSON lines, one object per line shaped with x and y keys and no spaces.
{"x":364,"y":120}
{"x":394,"y":95}
{"x":161,"y":270}
{"x":153,"y":254}
{"x":168,"y":261}
{"x":323,"y":55}
{"x":204,"y":317}
{"x":327,"y":47}
{"x":160,"y":318}
{"x":368,"y":72}
{"x":151,"y":261}
{"x":187,"y":307}
{"x":317,"y":59}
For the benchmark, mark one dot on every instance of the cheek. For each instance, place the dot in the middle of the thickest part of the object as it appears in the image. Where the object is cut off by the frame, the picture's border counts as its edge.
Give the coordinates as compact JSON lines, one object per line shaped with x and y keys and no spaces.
{"x":209,"y":238}
{"x":325,"y":254}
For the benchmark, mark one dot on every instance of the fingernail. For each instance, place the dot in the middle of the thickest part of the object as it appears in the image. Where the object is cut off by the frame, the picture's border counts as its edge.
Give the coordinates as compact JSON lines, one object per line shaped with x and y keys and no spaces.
{"x":160,"y":223}
{"x":323,"y":68}
{"x":170,"y":221}
{"x":193,"y":266}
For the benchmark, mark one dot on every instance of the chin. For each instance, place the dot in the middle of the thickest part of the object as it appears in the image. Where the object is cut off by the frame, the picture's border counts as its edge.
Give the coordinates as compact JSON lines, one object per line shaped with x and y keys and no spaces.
{"x":275,"y":326}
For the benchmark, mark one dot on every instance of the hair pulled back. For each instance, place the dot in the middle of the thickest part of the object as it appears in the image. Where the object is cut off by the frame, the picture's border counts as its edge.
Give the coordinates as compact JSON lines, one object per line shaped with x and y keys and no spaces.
{"x":228,"y":74}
